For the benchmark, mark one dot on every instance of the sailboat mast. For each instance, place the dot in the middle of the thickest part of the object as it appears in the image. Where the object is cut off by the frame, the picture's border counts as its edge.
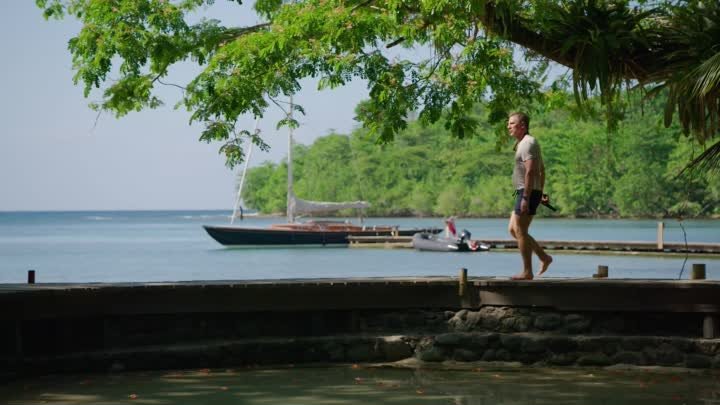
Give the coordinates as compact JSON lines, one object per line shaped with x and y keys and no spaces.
{"x":238,"y":198}
{"x":290,"y":193}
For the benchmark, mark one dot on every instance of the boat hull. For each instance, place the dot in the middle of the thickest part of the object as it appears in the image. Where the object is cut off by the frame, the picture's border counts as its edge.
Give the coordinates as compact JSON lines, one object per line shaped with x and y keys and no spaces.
{"x":286,"y":236}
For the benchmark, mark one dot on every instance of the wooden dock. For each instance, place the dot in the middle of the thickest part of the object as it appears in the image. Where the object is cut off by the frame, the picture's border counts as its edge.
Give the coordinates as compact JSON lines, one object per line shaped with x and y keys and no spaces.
{"x":381,"y":241}
{"x":557,"y":245}
{"x":72,"y":300}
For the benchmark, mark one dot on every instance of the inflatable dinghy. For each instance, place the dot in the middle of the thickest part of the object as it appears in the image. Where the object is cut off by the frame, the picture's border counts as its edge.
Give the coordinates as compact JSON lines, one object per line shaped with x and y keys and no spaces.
{"x":437,"y":243}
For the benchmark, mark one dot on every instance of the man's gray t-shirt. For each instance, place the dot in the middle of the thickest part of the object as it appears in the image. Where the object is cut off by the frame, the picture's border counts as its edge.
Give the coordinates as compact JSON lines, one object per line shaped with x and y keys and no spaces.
{"x":527,"y":149}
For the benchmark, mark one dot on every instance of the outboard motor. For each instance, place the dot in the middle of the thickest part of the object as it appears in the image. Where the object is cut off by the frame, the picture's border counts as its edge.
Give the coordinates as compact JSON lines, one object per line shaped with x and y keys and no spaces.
{"x":465,"y":235}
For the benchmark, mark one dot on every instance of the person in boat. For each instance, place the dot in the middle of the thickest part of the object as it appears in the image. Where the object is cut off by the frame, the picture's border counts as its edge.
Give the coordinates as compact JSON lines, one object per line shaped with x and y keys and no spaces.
{"x":450,"y":230}
{"x":451,"y":233}
{"x":529,"y":183}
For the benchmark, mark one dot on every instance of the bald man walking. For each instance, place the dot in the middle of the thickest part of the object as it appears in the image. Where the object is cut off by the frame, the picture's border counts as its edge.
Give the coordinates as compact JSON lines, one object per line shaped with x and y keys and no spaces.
{"x":529,"y":182}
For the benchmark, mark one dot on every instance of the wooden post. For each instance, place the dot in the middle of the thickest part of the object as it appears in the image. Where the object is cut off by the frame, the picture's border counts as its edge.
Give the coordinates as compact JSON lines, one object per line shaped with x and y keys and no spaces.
{"x":602,"y":272}
{"x":31,"y":276}
{"x":698,"y":271}
{"x":661,"y":235}
{"x":462,"y":282}
{"x":710,"y":327}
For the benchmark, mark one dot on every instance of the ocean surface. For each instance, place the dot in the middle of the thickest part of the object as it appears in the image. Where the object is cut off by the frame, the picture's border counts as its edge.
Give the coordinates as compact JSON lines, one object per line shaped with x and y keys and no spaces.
{"x":154,"y":246}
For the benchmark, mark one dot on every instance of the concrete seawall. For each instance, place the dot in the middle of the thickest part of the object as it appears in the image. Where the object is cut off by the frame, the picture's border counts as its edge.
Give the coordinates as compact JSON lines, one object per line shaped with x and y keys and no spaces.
{"x":51,"y":328}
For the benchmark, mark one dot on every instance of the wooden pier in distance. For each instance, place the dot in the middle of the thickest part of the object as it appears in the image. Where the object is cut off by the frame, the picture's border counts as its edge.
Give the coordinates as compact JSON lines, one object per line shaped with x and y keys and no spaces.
{"x":381,"y":241}
{"x":556,"y":245}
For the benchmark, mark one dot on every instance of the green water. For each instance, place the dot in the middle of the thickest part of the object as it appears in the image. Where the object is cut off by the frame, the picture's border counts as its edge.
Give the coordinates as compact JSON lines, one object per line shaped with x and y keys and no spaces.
{"x":348,"y":385}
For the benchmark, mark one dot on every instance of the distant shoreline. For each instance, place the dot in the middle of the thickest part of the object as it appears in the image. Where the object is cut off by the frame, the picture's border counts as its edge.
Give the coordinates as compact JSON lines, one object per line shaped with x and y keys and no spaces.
{"x":282,"y":215}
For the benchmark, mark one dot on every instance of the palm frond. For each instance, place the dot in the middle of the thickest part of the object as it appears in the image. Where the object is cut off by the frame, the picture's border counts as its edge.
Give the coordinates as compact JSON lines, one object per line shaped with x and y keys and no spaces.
{"x":690,"y":71}
{"x":708,"y":74}
{"x":708,"y":161}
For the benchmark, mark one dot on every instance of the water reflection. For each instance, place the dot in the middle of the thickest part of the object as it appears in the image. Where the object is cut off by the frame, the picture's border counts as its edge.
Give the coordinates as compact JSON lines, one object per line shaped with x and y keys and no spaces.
{"x":367,"y":385}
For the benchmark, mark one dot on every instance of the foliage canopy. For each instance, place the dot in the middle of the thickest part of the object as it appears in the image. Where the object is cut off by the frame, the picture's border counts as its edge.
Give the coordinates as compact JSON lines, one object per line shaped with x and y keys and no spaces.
{"x":427,"y":172}
{"x":609,"y":45}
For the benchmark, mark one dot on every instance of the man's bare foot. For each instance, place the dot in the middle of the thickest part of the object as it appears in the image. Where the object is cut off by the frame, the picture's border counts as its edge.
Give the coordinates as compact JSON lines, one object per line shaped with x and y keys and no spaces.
{"x":544,"y":265}
{"x":522,"y":276}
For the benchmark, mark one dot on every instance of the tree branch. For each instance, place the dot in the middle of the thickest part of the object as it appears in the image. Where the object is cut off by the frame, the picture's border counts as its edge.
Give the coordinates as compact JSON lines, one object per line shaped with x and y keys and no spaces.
{"x":235,"y":33}
{"x":171,"y":84}
{"x":363,"y":4}
{"x":394,"y":43}
{"x":277,"y":103}
{"x":517,"y":31}
{"x":425,"y":25}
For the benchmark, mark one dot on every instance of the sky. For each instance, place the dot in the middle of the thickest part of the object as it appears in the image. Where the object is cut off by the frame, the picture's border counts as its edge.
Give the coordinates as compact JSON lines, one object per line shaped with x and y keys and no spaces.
{"x":54,"y":156}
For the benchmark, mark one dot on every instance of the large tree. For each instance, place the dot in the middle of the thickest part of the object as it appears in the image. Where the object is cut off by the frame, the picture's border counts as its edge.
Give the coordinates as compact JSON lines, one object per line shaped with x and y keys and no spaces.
{"x":491,"y":51}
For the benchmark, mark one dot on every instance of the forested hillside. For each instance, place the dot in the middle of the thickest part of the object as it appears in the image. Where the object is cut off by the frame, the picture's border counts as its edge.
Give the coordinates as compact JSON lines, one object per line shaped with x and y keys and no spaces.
{"x":427,"y":172}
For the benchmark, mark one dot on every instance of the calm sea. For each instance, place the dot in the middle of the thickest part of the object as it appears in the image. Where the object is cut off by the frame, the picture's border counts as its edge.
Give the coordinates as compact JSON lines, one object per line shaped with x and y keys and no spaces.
{"x":127,"y":246}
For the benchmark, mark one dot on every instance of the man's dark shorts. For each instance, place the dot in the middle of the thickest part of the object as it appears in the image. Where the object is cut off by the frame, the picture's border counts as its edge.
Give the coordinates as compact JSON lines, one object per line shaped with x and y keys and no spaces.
{"x":533,"y":201}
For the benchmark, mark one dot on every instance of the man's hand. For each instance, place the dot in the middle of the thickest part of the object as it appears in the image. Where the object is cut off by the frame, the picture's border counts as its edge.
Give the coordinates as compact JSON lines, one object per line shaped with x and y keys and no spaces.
{"x":524,"y":205}
{"x":545,"y":200}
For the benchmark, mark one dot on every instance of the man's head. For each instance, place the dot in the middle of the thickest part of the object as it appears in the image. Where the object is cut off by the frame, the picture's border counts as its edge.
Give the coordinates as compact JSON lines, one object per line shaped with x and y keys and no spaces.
{"x":518,"y":125}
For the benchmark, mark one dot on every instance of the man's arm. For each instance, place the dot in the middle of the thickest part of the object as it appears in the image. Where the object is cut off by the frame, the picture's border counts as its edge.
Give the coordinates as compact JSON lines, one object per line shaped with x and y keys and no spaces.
{"x":530,"y":168}
{"x":544,"y":199}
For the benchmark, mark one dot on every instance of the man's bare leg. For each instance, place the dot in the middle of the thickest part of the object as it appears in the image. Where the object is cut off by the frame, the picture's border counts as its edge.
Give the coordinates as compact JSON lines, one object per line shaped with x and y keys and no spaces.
{"x":511,"y":225}
{"x":545,"y":259}
{"x":518,"y":229}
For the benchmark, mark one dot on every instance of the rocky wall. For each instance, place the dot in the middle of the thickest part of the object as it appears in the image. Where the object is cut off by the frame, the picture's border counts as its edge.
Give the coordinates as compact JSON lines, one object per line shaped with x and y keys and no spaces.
{"x":528,"y":335}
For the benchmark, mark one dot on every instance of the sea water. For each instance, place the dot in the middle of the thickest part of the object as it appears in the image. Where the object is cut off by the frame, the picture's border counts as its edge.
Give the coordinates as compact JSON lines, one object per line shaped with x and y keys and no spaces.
{"x":355,"y":384}
{"x":147,"y":246}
